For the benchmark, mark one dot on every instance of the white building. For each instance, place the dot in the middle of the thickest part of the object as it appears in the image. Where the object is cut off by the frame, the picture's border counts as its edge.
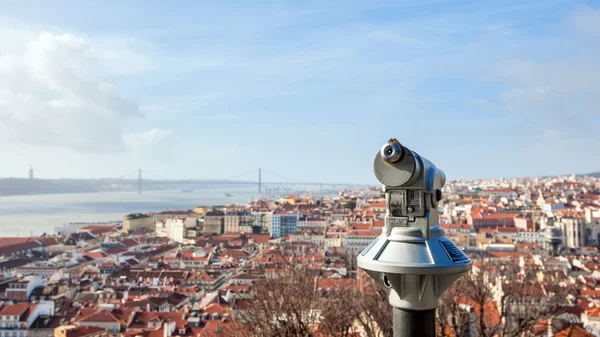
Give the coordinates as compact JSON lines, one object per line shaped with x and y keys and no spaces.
{"x":573,"y":231}
{"x":333,"y":240}
{"x":591,"y":318}
{"x":356,"y":242}
{"x":312,"y":223}
{"x":175,"y":229}
{"x":529,"y":237}
{"x":316,"y":239}
{"x":16,"y":319}
{"x":592,"y":216}
{"x":592,"y":220}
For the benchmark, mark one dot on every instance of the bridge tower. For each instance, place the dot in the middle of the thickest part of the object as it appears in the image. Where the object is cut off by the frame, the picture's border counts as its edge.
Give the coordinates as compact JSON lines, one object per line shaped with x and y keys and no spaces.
{"x":259,"y":180}
{"x":139,"y":181}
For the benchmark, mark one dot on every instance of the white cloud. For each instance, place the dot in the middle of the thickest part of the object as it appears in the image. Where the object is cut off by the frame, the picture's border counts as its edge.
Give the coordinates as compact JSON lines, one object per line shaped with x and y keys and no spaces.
{"x":551,"y":134}
{"x":586,"y":19}
{"x":556,"y":73}
{"x":124,"y":56}
{"x":150,"y":137}
{"x":481,"y":103}
{"x":568,"y":87}
{"x":154,"y":142}
{"x":50,"y":96}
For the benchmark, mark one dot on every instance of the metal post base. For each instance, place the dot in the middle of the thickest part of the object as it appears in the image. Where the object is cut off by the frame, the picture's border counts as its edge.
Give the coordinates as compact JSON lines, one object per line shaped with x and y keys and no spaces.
{"x":414,"y":323}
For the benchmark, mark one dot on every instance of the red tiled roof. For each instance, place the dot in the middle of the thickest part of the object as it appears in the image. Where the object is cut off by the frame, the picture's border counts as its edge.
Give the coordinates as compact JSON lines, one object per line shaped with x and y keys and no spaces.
{"x":500,"y":216}
{"x":595,"y":312}
{"x":217,"y":308}
{"x":96,"y":255}
{"x":574,"y":331}
{"x":238,"y":288}
{"x":13,"y":309}
{"x":116,"y":251}
{"x":203,"y":276}
{"x":14,"y":247}
{"x":177,"y":212}
{"x":587,"y":292}
{"x":103,"y":316}
{"x":360,"y":226}
{"x":508,"y":229}
{"x":142,"y":318}
{"x":128,"y":243}
{"x":260,"y":238}
{"x":218,"y":328}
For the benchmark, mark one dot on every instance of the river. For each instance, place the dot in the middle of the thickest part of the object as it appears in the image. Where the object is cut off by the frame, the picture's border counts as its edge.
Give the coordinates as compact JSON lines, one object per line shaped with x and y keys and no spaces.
{"x":36,"y":214}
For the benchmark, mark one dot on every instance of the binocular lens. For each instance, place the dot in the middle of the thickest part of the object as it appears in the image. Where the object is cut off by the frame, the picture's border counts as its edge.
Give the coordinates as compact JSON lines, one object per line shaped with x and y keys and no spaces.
{"x":391,"y":153}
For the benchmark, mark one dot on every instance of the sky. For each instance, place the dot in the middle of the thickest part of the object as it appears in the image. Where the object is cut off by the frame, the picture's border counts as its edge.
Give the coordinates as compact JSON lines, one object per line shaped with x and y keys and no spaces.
{"x":306,"y":89}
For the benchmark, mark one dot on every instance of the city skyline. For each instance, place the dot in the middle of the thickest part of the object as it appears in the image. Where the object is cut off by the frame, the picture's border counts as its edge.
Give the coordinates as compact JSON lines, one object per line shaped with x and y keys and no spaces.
{"x":209,"y":91}
{"x":250,"y":177}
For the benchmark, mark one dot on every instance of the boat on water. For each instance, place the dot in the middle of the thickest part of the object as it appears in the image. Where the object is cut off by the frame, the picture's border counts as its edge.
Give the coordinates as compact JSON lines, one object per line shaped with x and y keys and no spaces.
{"x":187,"y":190}
{"x":227,"y":194}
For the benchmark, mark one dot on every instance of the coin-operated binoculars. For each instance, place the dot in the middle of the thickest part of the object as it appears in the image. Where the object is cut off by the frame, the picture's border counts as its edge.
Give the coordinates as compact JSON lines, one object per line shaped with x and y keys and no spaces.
{"x":412,"y":260}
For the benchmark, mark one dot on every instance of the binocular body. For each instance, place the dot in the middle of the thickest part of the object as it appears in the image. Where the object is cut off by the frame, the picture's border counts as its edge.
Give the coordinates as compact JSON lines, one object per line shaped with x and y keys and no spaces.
{"x":411,"y":260}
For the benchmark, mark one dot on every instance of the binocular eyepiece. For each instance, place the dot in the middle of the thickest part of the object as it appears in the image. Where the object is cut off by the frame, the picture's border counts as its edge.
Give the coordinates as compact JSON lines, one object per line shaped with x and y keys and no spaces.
{"x":392,"y":152}
{"x":397,"y":166}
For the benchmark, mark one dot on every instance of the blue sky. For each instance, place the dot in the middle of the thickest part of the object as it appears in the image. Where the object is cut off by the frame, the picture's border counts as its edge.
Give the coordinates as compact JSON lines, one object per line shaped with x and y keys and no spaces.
{"x":308,"y":89}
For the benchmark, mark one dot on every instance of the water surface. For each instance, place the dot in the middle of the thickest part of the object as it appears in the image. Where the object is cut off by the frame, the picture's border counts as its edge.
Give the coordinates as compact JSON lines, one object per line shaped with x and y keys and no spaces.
{"x":36,"y":214}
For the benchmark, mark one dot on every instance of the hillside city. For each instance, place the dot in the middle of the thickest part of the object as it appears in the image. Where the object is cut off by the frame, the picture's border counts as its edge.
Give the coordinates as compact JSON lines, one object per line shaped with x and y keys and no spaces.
{"x":224,"y":270}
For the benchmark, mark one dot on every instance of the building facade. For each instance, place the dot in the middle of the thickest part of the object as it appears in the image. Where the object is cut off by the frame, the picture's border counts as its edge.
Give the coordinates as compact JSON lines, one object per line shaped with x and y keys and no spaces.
{"x":214,"y":222}
{"x":316,"y":239}
{"x":356,"y":242}
{"x":175,"y":229}
{"x":284,"y":223}
{"x":573,"y":232}
{"x":262,"y":220}
{"x":79,"y":331}
{"x":17,"y":319}
{"x":312,"y":223}
{"x":238,"y":222}
{"x":21,"y":290}
{"x":138,"y":223}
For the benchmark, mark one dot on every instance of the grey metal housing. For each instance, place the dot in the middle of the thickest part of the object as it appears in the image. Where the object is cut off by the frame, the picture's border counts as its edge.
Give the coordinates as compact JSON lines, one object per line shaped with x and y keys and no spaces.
{"x":412,"y":260}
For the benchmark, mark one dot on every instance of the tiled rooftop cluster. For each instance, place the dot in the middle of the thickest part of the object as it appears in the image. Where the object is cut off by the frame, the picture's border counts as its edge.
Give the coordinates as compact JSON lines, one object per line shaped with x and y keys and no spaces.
{"x":192,"y":272}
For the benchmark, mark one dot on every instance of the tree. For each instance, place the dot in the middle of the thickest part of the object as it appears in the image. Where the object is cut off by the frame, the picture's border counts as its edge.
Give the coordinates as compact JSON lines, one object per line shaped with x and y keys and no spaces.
{"x":453,"y":317}
{"x":351,"y":309}
{"x":283,"y":305}
{"x":373,"y":311}
{"x":291,"y":304}
{"x":351,"y":205}
{"x":507,"y":299}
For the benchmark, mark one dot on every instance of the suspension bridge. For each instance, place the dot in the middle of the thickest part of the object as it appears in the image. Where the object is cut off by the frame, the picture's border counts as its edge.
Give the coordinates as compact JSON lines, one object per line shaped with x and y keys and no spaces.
{"x":266,"y":181}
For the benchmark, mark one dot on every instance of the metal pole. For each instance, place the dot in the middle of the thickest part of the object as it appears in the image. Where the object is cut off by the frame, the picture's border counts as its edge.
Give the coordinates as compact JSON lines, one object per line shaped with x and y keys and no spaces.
{"x":259,"y":180}
{"x":414,"y":323}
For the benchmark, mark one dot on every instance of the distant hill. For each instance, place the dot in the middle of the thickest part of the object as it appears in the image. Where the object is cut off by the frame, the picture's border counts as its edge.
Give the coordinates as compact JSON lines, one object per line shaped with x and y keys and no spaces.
{"x":15,"y":186}
{"x":593,"y":174}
